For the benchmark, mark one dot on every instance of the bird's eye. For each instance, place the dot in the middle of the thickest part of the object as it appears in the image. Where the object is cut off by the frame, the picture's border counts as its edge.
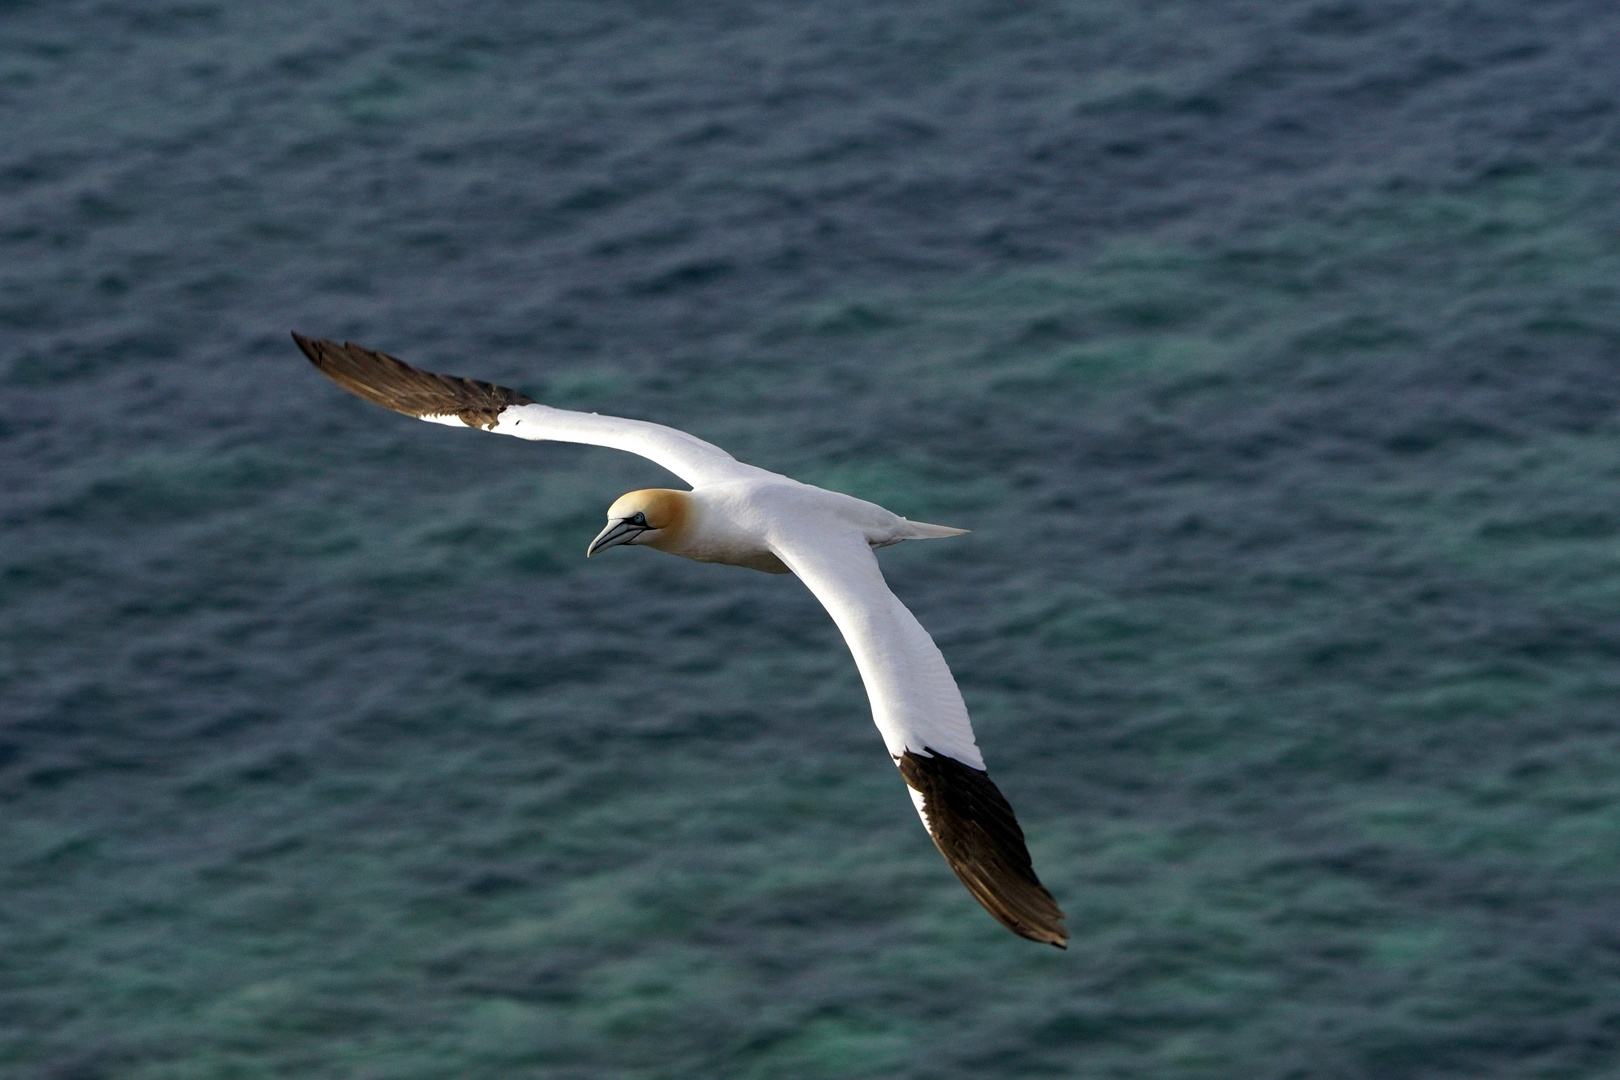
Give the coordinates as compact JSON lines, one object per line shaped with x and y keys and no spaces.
{"x":639,"y":519}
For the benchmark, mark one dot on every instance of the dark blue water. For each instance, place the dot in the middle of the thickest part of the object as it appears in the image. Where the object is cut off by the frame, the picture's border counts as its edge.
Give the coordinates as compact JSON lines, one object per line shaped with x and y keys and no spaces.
{"x":1268,"y":349}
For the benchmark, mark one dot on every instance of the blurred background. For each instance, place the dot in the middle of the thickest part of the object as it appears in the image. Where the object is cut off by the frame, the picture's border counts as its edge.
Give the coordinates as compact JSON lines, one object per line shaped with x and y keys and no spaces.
{"x":1269,"y":349}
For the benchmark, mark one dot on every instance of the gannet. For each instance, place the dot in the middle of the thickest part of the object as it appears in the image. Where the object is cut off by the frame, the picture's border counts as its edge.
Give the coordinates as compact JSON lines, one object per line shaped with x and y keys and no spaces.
{"x":747,"y":516}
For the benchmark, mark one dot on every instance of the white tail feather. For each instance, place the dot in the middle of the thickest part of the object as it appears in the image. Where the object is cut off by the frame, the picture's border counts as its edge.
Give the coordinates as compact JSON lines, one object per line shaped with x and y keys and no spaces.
{"x":921,"y":530}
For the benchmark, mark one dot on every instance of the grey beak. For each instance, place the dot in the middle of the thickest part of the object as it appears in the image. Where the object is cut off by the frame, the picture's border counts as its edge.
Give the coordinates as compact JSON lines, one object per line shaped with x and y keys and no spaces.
{"x":618,"y":532}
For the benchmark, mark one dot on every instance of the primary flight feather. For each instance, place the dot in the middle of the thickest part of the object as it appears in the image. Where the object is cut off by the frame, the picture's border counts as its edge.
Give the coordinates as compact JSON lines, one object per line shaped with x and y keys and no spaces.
{"x":747,"y":516}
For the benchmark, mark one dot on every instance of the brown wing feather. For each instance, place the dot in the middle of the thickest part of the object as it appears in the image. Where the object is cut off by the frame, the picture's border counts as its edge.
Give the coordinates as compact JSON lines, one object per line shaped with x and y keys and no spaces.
{"x":974,"y":828}
{"x":394,"y":384}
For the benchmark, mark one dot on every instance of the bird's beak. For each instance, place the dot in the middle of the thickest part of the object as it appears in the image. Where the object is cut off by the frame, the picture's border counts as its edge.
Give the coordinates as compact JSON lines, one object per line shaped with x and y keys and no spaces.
{"x":618,"y":532}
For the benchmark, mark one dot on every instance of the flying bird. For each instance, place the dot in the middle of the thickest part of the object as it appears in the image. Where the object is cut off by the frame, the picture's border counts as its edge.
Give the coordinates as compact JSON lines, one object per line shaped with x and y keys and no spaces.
{"x":747,"y":516}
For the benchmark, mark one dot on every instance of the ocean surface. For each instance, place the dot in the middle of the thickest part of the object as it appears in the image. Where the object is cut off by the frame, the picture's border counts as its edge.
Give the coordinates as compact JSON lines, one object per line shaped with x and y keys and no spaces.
{"x":1269,"y":349}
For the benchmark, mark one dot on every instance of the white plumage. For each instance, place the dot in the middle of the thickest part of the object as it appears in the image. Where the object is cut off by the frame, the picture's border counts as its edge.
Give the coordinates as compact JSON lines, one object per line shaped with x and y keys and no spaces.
{"x":747,"y":516}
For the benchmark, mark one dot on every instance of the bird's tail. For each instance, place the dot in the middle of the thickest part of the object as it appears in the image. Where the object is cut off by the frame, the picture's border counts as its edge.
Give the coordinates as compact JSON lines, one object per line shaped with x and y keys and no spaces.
{"x":921,"y":530}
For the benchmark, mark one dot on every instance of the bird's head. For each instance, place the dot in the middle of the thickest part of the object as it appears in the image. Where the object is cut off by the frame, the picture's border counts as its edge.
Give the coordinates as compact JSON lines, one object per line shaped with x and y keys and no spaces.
{"x":652,"y":517}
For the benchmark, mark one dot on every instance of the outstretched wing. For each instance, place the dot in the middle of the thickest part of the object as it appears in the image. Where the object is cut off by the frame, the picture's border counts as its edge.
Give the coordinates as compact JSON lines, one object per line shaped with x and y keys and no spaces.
{"x":446,"y":399}
{"x":924,"y":723}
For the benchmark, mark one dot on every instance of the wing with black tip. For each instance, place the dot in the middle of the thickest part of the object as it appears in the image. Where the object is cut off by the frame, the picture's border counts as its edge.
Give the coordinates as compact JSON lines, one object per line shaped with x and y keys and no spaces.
{"x":924,"y":723}
{"x":448,"y":399}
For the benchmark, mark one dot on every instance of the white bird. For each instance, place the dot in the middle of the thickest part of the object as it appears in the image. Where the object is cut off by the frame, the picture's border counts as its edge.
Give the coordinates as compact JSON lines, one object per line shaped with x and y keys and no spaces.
{"x":747,"y":516}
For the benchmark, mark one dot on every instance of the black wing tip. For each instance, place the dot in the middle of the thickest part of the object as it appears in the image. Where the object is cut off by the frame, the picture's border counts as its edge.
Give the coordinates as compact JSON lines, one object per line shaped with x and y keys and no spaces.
{"x":326,"y":354}
{"x":322,"y":352}
{"x":310,"y":347}
{"x":973,"y":826}
{"x":390,"y":382}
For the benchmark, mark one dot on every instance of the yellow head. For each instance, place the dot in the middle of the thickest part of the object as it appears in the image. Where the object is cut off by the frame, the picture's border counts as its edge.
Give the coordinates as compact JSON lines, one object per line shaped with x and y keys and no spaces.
{"x":651,"y":517}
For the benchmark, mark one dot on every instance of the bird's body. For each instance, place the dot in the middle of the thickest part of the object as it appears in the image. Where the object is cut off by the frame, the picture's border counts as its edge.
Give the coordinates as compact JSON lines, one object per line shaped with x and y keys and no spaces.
{"x":744,"y":522}
{"x":746,"y":516}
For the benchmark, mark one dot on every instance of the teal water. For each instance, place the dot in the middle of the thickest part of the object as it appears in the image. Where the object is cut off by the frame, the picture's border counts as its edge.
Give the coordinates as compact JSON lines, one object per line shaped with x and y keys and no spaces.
{"x":1269,"y":351}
